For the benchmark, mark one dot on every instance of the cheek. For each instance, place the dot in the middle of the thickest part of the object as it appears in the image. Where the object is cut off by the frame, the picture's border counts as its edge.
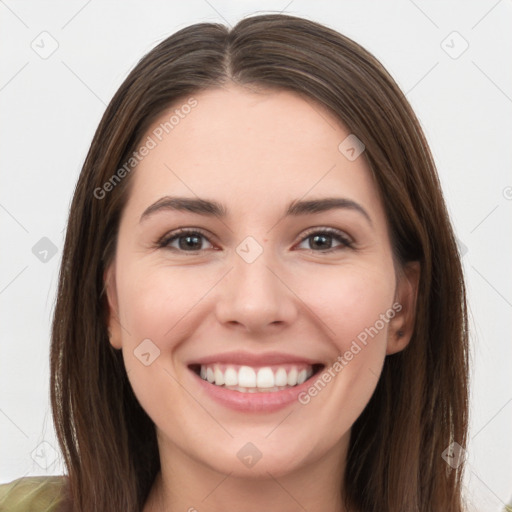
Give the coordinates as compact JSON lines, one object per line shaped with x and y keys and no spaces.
{"x":150,"y":307}
{"x":155,"y":302}
{"x":349,"y":300}
{"x":164,"y":305}
{"x":156,"y":305}
{"x":351,"y":303}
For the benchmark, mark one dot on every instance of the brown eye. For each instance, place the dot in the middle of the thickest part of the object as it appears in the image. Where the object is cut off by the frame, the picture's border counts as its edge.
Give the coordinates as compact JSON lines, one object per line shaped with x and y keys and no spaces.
{"x":322,"y":240}
{"x":187,"y":241}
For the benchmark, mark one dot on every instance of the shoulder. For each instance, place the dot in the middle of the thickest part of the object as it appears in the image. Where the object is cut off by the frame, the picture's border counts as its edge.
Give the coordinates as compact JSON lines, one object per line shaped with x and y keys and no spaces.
{"x":33,"y":494}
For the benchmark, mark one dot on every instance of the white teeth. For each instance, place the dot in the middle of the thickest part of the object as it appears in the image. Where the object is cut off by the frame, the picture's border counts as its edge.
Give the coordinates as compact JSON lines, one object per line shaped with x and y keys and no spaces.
{"x":292,"y":377}
{"x":281,"y":379}
{"x":219,"y":376}
{"x":251,"y":380}
{"x":265,"y":378}
{"x":230,"y":377}
{"x":246,"y":377}
{"x":255,"y":390}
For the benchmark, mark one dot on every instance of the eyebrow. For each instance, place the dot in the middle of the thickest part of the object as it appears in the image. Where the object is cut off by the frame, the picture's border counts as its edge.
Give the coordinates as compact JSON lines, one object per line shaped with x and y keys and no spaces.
{"x":215,"y":209}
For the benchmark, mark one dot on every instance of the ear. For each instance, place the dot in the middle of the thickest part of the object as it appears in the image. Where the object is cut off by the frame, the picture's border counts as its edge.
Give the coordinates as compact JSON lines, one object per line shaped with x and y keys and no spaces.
{"x":114,"y":326}
{"x":401,"y":326}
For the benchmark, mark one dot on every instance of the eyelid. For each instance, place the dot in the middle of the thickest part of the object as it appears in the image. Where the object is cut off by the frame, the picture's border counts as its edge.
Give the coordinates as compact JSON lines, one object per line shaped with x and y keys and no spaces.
{"x":163,"y":241}
{"x":347,"y":239}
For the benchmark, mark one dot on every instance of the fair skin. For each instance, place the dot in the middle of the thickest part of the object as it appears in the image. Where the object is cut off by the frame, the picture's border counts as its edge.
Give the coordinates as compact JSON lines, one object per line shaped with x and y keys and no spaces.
{"x":254,"y":152}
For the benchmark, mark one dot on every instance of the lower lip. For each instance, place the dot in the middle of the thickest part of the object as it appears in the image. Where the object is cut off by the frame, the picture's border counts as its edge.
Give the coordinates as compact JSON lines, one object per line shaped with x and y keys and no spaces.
{"x":253,"y":402}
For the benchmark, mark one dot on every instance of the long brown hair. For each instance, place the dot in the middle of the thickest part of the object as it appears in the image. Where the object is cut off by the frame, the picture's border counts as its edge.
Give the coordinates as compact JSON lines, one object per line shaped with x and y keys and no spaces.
{"x":420,"y":405}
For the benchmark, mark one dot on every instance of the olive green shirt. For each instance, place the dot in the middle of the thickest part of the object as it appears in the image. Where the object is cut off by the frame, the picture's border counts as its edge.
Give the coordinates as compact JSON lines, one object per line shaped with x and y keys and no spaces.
{"x":45,"y":494}
{"x":33,"y":494}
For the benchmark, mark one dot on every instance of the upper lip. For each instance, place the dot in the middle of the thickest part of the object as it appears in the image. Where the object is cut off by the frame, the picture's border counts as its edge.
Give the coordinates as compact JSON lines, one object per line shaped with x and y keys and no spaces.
{"x":249,"y":359}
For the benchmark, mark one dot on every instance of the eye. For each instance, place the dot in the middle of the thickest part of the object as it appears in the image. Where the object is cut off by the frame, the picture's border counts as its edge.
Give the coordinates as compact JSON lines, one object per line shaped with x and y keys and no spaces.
{"x":188,"y":240}
{"x":320,"y":240}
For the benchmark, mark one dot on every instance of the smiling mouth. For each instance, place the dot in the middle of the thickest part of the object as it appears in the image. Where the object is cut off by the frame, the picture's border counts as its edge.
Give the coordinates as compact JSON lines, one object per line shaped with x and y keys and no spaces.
{"x":251,"y":379}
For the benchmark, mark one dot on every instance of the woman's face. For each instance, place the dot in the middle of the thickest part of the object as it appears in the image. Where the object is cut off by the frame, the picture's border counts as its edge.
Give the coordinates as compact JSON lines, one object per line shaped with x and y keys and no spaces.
{"x":255,"y":298}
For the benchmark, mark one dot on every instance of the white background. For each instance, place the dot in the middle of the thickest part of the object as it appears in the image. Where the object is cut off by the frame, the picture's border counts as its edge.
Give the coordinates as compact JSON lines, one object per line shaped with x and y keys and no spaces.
{"x":51,"y":107}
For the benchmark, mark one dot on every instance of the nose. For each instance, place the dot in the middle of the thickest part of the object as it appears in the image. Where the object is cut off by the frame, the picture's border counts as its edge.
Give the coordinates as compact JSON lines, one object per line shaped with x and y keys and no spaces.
{"x":255,"y":297}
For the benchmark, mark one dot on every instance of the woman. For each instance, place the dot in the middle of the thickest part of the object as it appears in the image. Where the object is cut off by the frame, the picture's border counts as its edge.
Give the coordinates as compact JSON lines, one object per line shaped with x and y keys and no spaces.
{"x":261,"y":305}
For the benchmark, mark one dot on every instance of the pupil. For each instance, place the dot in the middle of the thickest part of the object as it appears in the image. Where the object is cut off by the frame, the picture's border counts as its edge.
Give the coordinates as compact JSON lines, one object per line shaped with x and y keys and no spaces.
{"x":316,"y":238}
{"x":188,"y":244}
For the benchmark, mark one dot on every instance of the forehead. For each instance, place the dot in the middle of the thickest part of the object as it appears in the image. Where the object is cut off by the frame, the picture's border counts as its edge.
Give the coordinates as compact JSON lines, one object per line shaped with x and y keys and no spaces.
{"x":242,"y":146}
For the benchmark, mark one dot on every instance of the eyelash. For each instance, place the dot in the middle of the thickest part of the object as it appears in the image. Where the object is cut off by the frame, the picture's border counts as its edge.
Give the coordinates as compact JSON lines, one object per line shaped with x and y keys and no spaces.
{"x":336,"y":234}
